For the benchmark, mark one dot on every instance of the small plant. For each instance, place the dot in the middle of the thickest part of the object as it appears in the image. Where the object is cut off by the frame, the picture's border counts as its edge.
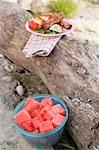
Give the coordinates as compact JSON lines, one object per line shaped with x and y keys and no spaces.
{"x":67,"y":7}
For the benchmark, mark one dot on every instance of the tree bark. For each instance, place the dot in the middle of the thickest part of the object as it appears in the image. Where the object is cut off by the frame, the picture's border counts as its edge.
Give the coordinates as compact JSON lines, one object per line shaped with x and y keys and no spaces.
{"x":70,"y":72}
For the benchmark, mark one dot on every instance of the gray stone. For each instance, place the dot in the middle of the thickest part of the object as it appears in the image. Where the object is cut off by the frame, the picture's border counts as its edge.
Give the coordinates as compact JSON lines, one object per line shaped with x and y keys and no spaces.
{"x":6,"y":79}
{"x":20,"y":90}
{"x":8,"y":68}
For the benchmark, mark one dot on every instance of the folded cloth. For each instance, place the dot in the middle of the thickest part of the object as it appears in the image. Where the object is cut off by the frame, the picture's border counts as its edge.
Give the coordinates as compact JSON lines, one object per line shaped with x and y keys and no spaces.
{"x":40,"y":45}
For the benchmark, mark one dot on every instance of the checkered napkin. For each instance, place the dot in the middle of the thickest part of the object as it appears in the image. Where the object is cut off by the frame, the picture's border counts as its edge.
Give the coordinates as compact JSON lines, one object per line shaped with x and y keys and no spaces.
{"x":40,"y":45}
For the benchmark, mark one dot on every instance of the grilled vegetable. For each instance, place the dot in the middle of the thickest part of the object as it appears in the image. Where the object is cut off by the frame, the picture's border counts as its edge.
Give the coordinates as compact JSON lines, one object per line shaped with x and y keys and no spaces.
{"x":33,"y":25}
{"x":57,"y":28}
{"x":39,"y":20}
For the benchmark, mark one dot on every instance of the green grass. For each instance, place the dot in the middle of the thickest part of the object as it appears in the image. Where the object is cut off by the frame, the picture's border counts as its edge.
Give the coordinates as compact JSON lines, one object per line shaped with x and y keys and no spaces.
{"x":67,"y":7}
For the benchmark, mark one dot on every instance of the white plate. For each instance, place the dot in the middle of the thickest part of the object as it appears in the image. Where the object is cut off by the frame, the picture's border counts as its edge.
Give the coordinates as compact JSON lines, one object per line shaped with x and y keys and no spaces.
{"x":65,"y":31}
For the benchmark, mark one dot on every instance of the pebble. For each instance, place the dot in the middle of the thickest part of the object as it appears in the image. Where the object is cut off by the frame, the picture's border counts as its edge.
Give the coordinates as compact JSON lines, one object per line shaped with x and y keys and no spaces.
{"x":81,"y":71}
{"x":89,"y":100}
{"x":8,"y":68}
{"x":1,"y":56}
{"x":76,"y":100}
{"x":95,"y":148}
{"x":6,"y":78}
{"x":87,"y":104}
{"x":20,"y":90}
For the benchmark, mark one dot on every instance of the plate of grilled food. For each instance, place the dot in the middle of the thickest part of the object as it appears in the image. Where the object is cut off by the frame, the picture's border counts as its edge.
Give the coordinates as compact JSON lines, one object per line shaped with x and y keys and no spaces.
{"x":49,"y":24}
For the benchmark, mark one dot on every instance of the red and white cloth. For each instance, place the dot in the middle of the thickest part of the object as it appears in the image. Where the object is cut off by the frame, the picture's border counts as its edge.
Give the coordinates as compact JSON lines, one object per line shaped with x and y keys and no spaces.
{"x":40,"y":45}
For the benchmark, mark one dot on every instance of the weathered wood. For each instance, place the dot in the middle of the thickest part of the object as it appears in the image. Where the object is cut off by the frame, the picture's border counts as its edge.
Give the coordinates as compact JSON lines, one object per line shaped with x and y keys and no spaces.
{"x":70,"y":72}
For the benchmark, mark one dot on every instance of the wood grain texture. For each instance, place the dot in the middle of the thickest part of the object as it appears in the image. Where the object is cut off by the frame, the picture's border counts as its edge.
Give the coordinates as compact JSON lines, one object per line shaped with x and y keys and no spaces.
{"x":70,"y":72}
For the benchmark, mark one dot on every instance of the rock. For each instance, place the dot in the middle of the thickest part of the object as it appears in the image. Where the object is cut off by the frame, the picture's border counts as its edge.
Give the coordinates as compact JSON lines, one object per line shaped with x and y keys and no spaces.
{"x":20,"y":90}
{"x":84,"y":25}
{"x":26,"y":4}
{"x":95,"y":1}
{"x":39,"y":5}
{"x":1,"y":56}
{"x":8,"y":68}
{"x":11,"y":1}
{"x":6,"y":79}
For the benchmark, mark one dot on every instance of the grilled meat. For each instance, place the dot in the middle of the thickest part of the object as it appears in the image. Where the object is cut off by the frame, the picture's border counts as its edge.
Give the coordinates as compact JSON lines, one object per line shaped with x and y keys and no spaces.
{"x":53,"y":19}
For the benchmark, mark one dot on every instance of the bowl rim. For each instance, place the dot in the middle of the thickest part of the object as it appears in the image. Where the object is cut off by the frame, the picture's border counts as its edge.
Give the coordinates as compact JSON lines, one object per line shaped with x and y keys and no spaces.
{"x":29,"y":134}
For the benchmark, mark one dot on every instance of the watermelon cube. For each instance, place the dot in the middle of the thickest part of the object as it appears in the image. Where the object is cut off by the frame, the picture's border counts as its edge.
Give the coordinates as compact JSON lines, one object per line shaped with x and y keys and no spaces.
{"x":31,"y":106}
{"x":36,"y":131}
{"x":40,"y":118}
{"x":28,"y":101}
{"x":48,"y":115}
{"x":35,"y":122}
{"x":22,"y":116}
{"x":34,"y":113}
{"x":44,"y":110}
{"x":42,"y":106}
{"x":58,"y":109}
{"x":45,"y":126}
{"x":57,"y":119}
{"x":47,"y":101}
{"x":28,"y":126}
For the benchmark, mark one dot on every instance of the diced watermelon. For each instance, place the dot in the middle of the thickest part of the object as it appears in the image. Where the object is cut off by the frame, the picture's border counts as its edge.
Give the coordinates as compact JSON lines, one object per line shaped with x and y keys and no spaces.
{"x":28,"y":101}
{"x":44,"y":110}
{"x":58,"y":109}
{"x":35,"y":122}
{"x":57,"y":119}
{"x":31,"y":106}
{"x":47,"y":101}
{"x":22,"y":116}
{"x":40,"y":118}
{"x":34,"y":113}
{"x":36,"y":131}
{"x":48,"y":115}
{"x":28,"y":126}
{"x":42,"y":106}
{"x":45,"y":126}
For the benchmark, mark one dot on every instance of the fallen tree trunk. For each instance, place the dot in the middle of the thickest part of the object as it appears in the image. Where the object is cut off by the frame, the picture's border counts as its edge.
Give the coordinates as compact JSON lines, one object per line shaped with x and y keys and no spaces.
{"x":70,"y":72}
